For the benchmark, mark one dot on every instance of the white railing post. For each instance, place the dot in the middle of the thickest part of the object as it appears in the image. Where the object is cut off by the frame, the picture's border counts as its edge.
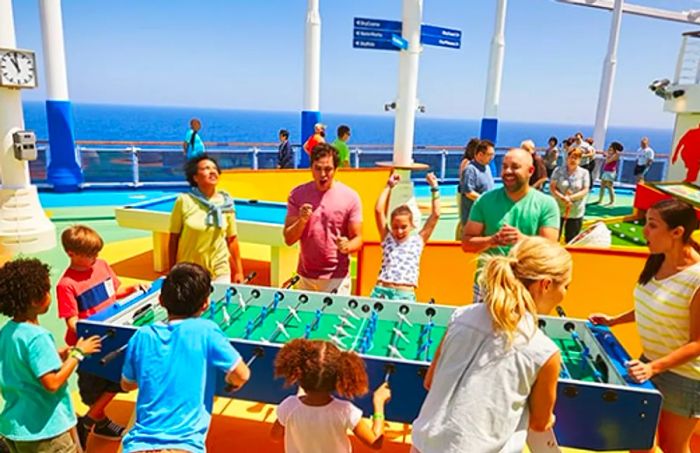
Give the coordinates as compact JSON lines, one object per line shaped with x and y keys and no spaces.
{"x":357,"y":152}
{"x":135,"y":165}
{"x":443,"y":164}
{"x":255,"y":158}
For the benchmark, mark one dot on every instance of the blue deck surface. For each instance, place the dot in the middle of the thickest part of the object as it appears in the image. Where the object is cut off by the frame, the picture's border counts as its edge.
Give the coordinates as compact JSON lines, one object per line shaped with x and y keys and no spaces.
{"x":101,"y":197}
{"x":249,"y":210}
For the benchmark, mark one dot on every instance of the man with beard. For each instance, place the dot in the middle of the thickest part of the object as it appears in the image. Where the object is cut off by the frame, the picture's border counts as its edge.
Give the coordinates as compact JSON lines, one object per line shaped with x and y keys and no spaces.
{"x":325,"y":216}
{"x":502,"y":216}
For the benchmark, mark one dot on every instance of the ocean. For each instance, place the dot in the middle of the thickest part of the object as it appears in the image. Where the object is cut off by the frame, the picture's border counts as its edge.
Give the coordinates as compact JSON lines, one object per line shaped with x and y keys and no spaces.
{"x":140,"y":123}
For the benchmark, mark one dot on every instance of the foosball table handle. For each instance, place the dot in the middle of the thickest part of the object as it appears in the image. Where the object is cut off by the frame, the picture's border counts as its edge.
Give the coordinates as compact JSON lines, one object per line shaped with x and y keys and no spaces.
{"x":257,"y":352}
{"x":113,"y":355}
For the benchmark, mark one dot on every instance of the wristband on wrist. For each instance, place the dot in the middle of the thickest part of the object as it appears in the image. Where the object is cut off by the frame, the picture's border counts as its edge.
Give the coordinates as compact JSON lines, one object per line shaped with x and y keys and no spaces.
{"x":77,"y":354}
{"x":378,"y":416}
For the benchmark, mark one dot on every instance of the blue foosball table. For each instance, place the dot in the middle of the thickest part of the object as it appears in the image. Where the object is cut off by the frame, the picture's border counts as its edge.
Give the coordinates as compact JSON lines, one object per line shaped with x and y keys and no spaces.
{"x":598,"y":406}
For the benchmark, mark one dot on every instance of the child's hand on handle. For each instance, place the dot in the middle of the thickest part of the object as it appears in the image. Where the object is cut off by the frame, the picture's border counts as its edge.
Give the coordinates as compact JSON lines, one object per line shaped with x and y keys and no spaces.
{"x":393,"y":180}
{"x":431,"y":179}
{"x":305,"y":212}
{"x":601,"y":319}
{"x":381,"y":395}
{"x":89,"y":345}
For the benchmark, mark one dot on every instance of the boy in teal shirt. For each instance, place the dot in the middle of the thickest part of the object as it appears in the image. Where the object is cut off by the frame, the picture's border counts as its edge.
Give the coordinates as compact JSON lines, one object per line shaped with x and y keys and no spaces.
{"x":341,"y":145}
{"x":38,"y":415}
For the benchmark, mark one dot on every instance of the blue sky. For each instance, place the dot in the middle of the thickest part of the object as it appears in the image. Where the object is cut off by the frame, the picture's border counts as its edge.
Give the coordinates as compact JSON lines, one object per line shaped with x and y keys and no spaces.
{"x":239,"y":54}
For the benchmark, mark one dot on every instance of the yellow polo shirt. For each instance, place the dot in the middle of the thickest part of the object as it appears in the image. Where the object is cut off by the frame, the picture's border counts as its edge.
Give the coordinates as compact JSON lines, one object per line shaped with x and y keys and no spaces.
{"x":200,"y":243}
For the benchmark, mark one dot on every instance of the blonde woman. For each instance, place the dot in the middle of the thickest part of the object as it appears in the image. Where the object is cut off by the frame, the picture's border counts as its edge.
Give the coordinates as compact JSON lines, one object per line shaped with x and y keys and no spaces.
{"x":495,"y":373}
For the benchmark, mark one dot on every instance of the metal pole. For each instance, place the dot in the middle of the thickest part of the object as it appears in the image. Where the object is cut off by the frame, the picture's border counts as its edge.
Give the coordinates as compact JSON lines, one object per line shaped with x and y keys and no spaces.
{"x":64,"y":171}
{"x":310,"y":114}
{"x":489,"y":123}
{"x":406,"y":102}
{"x":606,"y":84}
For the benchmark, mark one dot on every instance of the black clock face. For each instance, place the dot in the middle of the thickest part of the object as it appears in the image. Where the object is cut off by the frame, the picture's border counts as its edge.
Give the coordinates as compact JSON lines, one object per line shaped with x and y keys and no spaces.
{"x":17,"y":68}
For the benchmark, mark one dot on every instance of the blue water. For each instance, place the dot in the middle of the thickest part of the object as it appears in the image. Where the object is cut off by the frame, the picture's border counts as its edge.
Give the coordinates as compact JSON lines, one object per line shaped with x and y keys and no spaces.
{"x":138,"y":123}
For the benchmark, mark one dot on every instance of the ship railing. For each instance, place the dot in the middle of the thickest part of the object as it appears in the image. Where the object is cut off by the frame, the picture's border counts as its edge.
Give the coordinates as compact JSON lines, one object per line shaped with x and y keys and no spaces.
{"x":137,"y":164}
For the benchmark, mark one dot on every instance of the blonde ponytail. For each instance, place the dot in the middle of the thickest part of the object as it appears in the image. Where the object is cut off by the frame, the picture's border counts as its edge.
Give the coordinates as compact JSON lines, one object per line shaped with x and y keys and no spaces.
{"x":505,"y":280}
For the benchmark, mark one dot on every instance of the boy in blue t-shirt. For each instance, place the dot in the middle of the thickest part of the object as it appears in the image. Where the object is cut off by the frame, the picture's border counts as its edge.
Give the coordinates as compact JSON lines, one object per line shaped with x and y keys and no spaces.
{"x":174,"y":365}
{"x":38,"y":413}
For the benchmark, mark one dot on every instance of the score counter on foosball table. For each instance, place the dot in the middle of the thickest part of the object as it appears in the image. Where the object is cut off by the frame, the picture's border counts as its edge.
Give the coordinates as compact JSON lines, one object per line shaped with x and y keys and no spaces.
{"x":598,"y":406}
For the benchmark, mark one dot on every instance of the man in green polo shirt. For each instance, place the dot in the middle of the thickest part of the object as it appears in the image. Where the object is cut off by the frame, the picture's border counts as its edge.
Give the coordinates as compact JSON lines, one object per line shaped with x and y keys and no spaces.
{"x":341,"y":145}
{"x":502,"y":216}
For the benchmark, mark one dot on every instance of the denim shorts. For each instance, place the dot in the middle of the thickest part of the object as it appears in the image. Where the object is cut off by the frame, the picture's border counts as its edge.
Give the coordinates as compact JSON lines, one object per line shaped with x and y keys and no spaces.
{"x":681,"y":394}
{"x":382,"y":292}
{"x":608,"y":176}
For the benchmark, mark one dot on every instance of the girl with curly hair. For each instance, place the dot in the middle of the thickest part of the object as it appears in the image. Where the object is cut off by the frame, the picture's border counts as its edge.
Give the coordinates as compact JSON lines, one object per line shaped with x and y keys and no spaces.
{"x":316,"y":421}
{"x":38,"y":413}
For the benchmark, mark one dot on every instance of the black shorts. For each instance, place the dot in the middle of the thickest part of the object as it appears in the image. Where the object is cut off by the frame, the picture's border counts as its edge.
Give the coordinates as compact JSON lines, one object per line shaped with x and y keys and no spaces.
{"x":91,"y":387}
{"x":640,"y":170}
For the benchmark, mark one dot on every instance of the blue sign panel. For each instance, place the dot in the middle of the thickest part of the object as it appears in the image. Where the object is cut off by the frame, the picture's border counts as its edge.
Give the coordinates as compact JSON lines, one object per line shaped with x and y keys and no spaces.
{"x":399,"y":42}
{"x":373,"y":44}
{"x":377,"y":24}
{"x":448,"y":33}
{"x":440,"y":42}
{"x":372,"y":34}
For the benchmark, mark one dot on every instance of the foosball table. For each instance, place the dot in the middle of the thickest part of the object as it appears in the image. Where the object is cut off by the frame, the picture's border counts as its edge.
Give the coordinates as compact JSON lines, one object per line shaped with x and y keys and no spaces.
{"x":598,"y":406}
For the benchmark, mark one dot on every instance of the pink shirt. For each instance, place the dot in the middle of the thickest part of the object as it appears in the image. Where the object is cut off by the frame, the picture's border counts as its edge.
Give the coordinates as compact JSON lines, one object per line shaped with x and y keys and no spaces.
{"x":333,"y":212}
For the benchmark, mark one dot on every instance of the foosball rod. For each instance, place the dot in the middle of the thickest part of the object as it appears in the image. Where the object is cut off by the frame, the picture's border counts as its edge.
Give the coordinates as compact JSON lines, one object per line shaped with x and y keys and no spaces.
{"x":113,"y":355}
{"x":585,"y":352}
{"x":564,"y":372}
{"x":221,"y":302}
{"x":257,"y":352}
{"x":276,"y":299}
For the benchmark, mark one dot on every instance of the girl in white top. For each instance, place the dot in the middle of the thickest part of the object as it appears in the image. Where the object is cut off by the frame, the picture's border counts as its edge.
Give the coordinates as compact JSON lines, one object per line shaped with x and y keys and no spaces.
{"x":314,"y":421}
{"x":495,"y":373}
{"x":401,"y":250}
{"x":667,"y":312}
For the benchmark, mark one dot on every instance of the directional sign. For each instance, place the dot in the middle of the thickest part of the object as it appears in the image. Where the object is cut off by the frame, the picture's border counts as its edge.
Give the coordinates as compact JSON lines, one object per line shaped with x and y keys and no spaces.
{"x":440,"y":42}
{"x":377,"y":24}
{"x":432,"y":30}
{"x":373,"y":44}
{"x":386,"y":35}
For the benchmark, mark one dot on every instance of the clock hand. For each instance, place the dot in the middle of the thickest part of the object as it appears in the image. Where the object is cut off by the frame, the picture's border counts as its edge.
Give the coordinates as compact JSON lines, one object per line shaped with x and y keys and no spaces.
{"x":14,"y":62}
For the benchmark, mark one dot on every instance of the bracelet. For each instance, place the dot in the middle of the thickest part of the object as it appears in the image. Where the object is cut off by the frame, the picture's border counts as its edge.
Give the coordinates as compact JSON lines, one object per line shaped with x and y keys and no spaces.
{"x":77,"y":354}
{"x":378,"y":416}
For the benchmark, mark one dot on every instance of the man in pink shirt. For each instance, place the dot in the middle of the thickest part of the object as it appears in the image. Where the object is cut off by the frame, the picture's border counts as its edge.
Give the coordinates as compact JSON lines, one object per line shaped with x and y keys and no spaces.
{"x":326,"y":217}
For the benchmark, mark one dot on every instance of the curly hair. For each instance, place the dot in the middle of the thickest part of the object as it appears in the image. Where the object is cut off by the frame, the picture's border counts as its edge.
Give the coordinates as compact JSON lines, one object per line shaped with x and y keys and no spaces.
{"x":23,"y":282}
{"x":192,"y":166}
{"x":319,"y":365}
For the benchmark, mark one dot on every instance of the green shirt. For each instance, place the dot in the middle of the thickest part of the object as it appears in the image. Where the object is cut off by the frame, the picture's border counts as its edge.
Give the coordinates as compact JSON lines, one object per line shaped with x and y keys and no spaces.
{"x":200,"y":243}
{"x":494,"y":210}
{"x":31,"y":413}
{"x":343,"y":151}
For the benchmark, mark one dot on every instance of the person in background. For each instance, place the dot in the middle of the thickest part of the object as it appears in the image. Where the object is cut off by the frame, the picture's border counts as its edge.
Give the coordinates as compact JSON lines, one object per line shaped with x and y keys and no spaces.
{"x":319,"y":136}
{"x":587,"y":153}
{"x":325,"y":217}
{"x":203,"y":224}
{"x":569,"y":186}
{"x":551,"y":156}
{"x":667,"y":313}
{"x":285,"y":154}
{"x":607,"y":177}
{"x":476,"y":180}
{"x":38,"y":414}
{"x":468,"y":155}
{"x":539,"y":175}
{"x":645,"y":158}
{"x":340,"y":143}
{"x":315,"y":420}
{"x":495,"y":373}
{"x":193,"y":145}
